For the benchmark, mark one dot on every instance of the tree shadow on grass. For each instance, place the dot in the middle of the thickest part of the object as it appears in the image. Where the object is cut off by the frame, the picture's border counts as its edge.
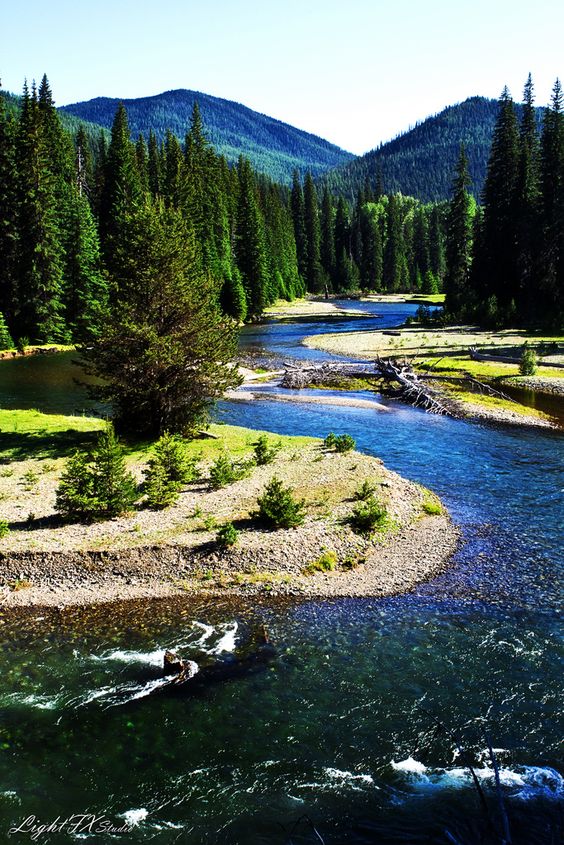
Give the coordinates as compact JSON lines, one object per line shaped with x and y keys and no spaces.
{"x":21,"y":446}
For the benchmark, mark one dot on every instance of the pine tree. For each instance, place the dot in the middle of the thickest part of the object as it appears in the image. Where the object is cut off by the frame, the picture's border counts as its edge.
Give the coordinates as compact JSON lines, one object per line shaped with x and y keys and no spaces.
{"x":527,"y":204}
{"x":76,"y":494}
{"x":86,"y":287}
{"x":344,"y":272}
{"x":6,"y":341}
{"x":550,"y":306}
{"x":372,"y":259}
{"x":116,"y":490}
{"x":250,"y":242}
{"x":328,"y":236}
{"x":314,"y":279}
{"x":9,"y":235}
{"x":165,"y":347}
{"x":459,"y":242}
{"x":501,"y":274}
{"x":298,"y":215}
{"x":394,"y":257}
{"x":121,"y":192}
{"x":40,"y":269}
{"x":153,"y":166}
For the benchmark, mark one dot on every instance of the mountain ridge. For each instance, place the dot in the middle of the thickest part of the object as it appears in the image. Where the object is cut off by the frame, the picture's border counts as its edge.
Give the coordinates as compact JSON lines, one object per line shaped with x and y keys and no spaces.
{"x":273,"y":147}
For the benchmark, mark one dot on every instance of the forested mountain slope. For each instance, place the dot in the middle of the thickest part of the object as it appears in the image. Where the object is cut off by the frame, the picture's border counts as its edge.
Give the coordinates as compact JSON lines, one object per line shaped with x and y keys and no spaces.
{"x":422,"y":161}
{"x":273,"y":147}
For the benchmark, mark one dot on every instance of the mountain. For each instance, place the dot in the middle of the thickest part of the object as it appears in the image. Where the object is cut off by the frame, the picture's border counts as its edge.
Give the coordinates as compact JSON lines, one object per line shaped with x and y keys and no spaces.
{"x":273,"y":147}
{"x":421,"y":161}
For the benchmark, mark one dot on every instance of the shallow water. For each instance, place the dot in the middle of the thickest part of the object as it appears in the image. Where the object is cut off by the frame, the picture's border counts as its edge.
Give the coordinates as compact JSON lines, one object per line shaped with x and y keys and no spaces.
{"x":362,"y":720}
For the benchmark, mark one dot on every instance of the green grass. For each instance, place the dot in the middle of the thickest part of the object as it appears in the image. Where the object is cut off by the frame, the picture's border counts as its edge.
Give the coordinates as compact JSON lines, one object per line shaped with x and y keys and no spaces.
{"x":30,"y":434}
{"x":427,"y":299}
{"x":494,"y":402}
{"x":484,"y":369}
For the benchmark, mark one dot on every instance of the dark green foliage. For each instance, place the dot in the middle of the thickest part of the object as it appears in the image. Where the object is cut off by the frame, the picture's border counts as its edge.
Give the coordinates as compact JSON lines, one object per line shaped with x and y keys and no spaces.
{"x":365,"y":491}
{"x":344,"y":443}
{"x":160,"y":492}
{"x":368,"y":516}
{"x":340,"y":442}
{"x":227,"y":536}
{"x":226,"y":471}
{"x":313,"y":278}
{"x":164,"y":347}
{"x":251,"y":246}
{"x":169,"y":469}
{"x":115,"y":487}
{"x":273,"y":147}
{"x":76,"y":493}
{"x":6,"y":341}
{"x":171,"y":453}
{"x":528,"y":365}
{"x":421,"y":161}
{"x":264,"y":452}
{"x":278,"y":508}
{"x":98,"y":484}
{"x":459,"y":242}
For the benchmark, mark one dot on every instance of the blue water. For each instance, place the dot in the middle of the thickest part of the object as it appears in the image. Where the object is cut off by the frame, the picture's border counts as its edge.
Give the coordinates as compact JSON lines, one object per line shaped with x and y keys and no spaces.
{"x":359,"y":727}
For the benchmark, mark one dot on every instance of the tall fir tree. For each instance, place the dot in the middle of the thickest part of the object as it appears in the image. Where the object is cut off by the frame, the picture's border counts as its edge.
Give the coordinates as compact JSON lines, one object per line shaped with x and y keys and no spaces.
{"x":550,"y":302}
{"x":9,"y":234}
{"x":300,"y":234}
{"x":250,"y":242}
{"x":458,"y":299}
{"x":314,"y":277}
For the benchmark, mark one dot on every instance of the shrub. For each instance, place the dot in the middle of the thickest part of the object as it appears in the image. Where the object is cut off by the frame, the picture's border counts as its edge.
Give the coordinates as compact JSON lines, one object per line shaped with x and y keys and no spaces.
{"x":330,"y":440}
{"x":22,"y":344}
{"x":169,"y":468}
{"x":30,"y":479}
{"x":76,"y":493}
{"x":364,"y":492}
{"x":341,"y":442}
{"x":227,"y":536}
{"x":344,"y":443}
{"x":431,"y":506}
{"x":170,"y":452}
{"x":326,"y":562}
{"x":226,"y":471}
{"x":528,"y":365}
{"x":160,"y":491}
{"x":6,"y":341}
{"x":278,"y":508}
{"x":4,"y":528}
{"x":99,"y":484}
{"x":368,"y":516}
{"x":264,"y":452}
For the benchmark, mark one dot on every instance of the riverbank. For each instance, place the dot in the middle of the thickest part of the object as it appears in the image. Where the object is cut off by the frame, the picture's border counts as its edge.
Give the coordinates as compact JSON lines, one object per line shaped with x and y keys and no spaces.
{"x":443,"y":355}
{"x":147,"y":554}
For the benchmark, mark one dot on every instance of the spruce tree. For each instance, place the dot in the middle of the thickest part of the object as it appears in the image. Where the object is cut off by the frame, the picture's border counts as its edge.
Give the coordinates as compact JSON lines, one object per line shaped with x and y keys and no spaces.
{"x":40,"y":269}
{"x":116,"y":490}
{"x":250,"y":247}
{"x":9,"y":234}
{"x":459,"y":242}
{"x":550,"y":305}
{"x":394,"y":257}
{"x":328,"y":236}
{"x":300,"y":234}
{"x":314,"y":279}
{"x":164,"y":350}
{"x":500,"y":264}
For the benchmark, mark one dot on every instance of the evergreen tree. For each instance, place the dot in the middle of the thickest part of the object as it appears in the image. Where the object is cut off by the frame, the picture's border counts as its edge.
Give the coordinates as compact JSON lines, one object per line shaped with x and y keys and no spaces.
{"x":314,"y":279}
{"x":6,"y":341}
{"x":153,"y":166}
{"x":9,"y":235}
{"x":500,"y":268}
{"x":394,"y":257}
{"x":164,"y":350}
{"x":459,"y":242}
{"x":550,"y":305}
{"x":116,"y":490}
{"x":40,"y":271}
{"x":121,"y":192}
{"x":300,"y":234}
{"x":527,"y":204}
{"x":250,"y":243}
{"x":85,"y":285}
{"x":344,"y":271}
{"x":328,"y":237}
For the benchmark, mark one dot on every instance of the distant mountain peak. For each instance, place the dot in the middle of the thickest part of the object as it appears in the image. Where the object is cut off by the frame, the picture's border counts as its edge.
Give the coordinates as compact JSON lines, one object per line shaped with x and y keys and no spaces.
{"x":273,"y":147}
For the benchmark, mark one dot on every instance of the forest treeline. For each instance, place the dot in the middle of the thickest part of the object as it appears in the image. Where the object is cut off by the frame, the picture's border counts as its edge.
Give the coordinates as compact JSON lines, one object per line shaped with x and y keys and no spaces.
{"x":66,"y":201}
{"x":505,"y":258}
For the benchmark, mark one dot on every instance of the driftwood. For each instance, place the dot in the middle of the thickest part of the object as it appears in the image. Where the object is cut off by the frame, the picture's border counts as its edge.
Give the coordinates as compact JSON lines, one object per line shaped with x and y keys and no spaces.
{"x":409,"y":386}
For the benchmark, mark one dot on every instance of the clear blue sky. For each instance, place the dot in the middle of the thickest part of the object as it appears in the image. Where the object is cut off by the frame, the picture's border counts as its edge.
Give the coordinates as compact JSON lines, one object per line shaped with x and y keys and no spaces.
{"x":353,"y":71}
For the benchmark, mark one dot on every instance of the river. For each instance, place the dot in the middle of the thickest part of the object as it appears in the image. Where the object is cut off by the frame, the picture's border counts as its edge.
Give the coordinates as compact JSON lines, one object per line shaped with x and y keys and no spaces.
{"x":361,"y":726}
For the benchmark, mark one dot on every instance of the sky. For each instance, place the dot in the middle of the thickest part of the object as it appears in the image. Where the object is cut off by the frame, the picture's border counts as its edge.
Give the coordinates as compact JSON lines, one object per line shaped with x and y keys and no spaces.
{"x":356,"y":72}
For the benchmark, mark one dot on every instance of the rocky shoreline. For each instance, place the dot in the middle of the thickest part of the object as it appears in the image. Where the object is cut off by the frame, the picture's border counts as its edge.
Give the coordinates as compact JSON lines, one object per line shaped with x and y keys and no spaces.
{"x":65,"y":566}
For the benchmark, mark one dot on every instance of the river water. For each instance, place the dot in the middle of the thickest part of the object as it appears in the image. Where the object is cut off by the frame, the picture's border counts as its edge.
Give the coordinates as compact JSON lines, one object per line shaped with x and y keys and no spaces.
{"x":361,"y":729}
